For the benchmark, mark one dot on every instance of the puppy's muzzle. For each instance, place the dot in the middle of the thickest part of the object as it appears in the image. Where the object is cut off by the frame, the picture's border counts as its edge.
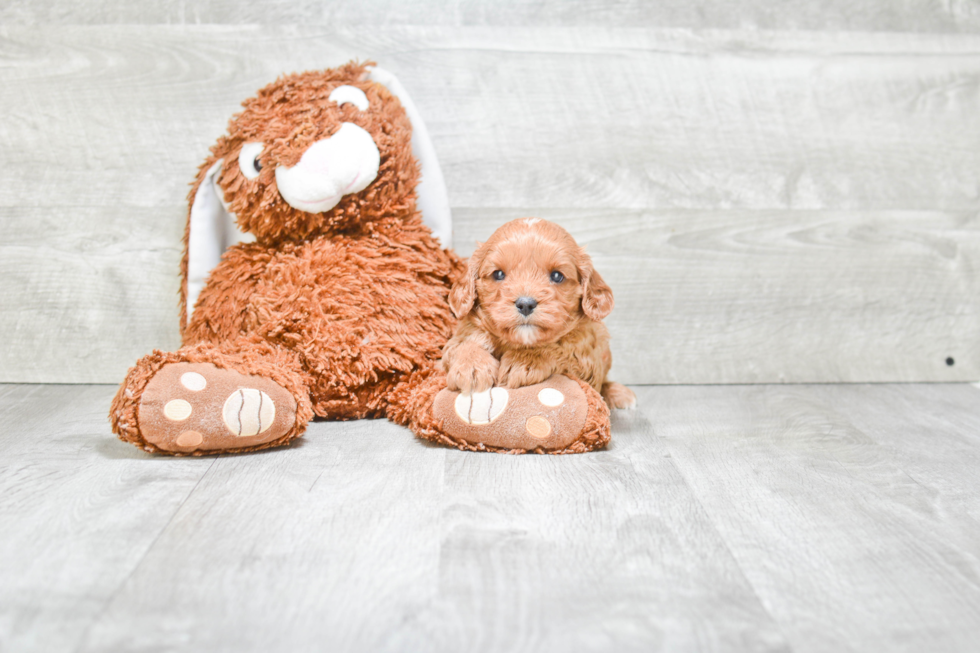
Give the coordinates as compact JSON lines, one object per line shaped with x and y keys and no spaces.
{"x":525,"y":305}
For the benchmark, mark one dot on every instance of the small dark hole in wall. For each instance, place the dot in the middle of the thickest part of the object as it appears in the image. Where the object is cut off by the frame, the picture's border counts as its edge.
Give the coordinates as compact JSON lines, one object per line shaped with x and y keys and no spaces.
{"x":950,"y":361}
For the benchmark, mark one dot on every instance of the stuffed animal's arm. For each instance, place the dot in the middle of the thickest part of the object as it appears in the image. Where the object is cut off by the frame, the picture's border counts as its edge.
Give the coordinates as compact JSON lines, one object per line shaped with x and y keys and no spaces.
{"x":468,"y":361}
{"x":221,"y":307}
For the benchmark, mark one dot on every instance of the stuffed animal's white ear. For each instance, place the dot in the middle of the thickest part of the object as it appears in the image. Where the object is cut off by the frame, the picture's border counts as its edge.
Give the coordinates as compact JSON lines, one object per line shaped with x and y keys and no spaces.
{"x":431,"y":195}
{"x":212,"y":231}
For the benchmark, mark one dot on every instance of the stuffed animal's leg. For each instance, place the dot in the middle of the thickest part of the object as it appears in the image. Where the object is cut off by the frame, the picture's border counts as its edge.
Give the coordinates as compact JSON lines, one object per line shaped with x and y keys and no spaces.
{"x":237,"y":396}
{"x":559,"y":415}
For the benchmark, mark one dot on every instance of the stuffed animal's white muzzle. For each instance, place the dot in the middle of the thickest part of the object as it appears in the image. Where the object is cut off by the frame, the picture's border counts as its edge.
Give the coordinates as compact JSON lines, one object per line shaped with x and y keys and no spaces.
{"x":345,"y":163}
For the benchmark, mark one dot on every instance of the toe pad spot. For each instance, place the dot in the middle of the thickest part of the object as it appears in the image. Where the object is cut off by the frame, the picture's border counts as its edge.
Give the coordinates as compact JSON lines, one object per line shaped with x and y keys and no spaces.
{"x":193,"y":381}
{"x":177,"y":410}
{"x":190,"y":439}
{"x":551,"y":397}
{"x":538,"y":427}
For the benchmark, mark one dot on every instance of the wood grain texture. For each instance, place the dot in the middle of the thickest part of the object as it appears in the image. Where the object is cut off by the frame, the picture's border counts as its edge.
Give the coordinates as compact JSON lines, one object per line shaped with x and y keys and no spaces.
{"x":526,"y":117}
{"x":77,"y":512}
{"x":79,"y":283}
{"x":775,"y":296}
{"x":935,"y":446}
{"x":360,"y":537}
{"x":325,"y":546}
{"x":849,"y":540}
{"x":102,"y":127}
{"x":862,"y":15}
{"x":604,"y":552}
{"x":721,"y":518}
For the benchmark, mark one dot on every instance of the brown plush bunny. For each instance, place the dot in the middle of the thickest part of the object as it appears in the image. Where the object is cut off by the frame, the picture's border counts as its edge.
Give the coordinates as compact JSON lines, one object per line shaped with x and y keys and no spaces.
{"x":339,"y":305}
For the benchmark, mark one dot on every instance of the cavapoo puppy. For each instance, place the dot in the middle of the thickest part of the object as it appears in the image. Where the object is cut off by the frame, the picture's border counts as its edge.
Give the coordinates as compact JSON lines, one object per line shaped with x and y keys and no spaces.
{"x":531,"y":305}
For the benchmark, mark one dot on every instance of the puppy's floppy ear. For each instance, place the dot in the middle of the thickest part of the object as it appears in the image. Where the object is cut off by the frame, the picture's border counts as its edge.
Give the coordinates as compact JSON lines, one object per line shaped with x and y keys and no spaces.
{"x":597,"y":296}
{"x":462,"y":297}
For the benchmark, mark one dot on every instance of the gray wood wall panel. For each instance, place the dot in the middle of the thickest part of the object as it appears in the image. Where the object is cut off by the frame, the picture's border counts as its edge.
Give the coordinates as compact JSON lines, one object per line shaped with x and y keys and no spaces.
{"x":775,"y":296}
{"x":522,"y":117}
{"x":106,"y":124}
{"x":858,"y":15}
{"x":86,"y":290}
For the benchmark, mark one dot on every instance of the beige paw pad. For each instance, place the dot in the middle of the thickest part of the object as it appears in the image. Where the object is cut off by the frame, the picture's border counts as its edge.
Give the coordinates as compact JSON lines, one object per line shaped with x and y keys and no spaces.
{"x":538,"y":427}
{"x":545,"y":417}
{"x":177,"y":410}
{"x":193,"y":381}
{"x":198,"y":408}
{"x":248,"y":412}
{"x":189,"y":439}
{"x":481,"y":407}
{"x":551,"y":398}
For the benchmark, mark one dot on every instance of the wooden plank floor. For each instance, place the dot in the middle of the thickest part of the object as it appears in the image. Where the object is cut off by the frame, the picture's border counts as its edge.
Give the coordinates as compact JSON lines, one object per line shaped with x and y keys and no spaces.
{"x":722,"y":518}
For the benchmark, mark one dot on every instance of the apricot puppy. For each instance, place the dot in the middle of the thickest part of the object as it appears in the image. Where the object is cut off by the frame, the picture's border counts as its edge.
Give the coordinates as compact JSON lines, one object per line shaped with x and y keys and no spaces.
{"x":531,"y":305}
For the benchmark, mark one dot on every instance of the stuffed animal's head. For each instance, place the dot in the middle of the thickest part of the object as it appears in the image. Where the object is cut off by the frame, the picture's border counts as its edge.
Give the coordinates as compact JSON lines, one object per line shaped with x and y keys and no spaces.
{"x":316,"y":151}
{"x":313,"y":153}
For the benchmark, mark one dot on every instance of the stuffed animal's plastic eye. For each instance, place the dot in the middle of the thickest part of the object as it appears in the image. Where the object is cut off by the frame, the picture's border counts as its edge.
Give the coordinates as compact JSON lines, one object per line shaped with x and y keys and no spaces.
{"x":557,"y":277}
{"x":498,"y":275}
{"x":349,"y":95}
{"x":248,"y":160}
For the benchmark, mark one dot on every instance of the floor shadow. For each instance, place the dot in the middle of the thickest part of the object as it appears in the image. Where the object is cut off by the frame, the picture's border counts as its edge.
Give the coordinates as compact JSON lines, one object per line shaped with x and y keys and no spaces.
{"x":115,"y":449}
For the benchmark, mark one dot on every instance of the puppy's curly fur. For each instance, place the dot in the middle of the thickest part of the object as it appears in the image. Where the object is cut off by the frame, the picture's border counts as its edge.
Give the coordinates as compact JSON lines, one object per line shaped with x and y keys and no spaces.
{"x":531,"y":305}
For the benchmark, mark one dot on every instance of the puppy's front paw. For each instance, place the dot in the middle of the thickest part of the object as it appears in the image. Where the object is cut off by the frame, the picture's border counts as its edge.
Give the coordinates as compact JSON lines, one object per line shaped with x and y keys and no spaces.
{"x":474,"y":370}
{"x":517,"y":373}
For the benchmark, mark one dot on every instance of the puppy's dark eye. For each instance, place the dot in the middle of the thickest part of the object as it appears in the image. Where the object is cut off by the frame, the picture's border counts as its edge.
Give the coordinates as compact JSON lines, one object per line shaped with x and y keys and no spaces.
{"x":557,"y":277}
{"x":498,"y":275}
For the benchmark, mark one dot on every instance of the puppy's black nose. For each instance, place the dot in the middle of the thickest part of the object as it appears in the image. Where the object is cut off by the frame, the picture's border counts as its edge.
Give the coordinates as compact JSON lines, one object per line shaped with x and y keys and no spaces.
{"x":526,"y":305}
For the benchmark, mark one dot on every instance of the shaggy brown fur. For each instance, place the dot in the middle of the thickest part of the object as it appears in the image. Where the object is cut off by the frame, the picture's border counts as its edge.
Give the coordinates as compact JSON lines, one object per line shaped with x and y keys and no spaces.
{"x":538,"y":265}
{"x":340,"y":308}
{"x":340,"y":313}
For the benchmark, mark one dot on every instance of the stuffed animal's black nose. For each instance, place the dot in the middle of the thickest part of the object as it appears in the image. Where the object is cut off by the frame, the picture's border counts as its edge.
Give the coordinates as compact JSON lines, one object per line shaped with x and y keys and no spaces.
{"x":525,"y":305}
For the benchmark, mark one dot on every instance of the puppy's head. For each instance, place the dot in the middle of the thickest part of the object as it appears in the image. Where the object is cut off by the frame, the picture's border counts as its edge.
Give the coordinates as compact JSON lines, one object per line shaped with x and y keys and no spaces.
{"x":530,"y":284}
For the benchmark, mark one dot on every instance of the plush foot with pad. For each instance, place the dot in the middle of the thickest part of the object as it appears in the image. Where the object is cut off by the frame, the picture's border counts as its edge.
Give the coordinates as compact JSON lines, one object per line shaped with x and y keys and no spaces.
{"x":560,"y":415}
{"x":195,"y":408}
